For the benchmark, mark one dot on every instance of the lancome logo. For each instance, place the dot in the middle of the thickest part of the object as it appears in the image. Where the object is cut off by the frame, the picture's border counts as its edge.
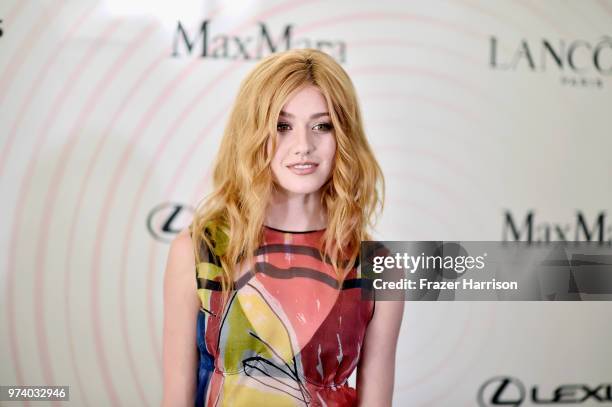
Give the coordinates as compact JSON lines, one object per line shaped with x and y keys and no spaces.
{"x":580,"y":62}
{"x":261,"y":43}
{"x":530,"y":229}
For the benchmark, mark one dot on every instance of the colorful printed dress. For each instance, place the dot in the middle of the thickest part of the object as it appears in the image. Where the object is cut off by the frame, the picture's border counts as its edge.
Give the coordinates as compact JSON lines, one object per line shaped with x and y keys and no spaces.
{"x":288,"y":336}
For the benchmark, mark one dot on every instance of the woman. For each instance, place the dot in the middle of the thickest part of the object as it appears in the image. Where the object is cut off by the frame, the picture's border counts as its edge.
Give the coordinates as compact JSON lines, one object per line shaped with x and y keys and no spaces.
{"x":273,"y":313}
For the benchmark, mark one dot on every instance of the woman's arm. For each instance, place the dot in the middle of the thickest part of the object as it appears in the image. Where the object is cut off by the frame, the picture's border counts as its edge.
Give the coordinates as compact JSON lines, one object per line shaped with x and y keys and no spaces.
{"x":181,"y":306}
{"x":376,"y":369}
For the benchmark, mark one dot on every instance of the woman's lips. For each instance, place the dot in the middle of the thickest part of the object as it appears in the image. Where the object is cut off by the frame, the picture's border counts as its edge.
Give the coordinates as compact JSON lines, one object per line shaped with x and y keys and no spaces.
{"x":303,"y":168}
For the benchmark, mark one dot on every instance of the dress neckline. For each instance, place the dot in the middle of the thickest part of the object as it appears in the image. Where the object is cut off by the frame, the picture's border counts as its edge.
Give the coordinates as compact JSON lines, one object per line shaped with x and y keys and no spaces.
{"x":294,"y":231}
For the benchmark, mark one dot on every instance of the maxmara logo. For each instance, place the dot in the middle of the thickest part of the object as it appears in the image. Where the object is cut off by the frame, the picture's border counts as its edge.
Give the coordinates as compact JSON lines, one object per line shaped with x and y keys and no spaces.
{"x":206,"y":43}
{"x":581,"y":63}
{"x":529,"y":228}
{"x":510,"y":392}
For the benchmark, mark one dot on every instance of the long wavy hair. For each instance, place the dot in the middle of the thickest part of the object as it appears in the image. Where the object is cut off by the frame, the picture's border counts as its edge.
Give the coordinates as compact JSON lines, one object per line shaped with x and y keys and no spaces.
{"x":230,"y":219}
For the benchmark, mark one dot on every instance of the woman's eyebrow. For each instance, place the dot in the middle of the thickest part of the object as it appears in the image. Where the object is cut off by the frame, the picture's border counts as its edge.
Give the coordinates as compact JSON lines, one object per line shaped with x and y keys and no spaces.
{"x":314,"y":116}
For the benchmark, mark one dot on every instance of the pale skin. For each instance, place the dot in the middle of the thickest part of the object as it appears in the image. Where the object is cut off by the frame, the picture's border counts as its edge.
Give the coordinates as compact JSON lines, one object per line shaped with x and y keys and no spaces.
{"x":181,"y":307}
{"x":304,"y":135}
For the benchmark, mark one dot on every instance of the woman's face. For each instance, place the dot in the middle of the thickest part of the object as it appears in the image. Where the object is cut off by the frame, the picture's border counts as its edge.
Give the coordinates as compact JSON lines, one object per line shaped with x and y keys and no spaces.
{"x":305,"y":143}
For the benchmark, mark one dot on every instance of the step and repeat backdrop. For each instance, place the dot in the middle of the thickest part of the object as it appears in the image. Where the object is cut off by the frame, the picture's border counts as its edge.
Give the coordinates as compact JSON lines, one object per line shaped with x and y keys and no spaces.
{"x":492,"y":120}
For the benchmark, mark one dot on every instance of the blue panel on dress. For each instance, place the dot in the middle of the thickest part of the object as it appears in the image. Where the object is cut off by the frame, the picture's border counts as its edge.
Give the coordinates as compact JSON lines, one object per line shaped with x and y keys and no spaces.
{"x":206,"y":364}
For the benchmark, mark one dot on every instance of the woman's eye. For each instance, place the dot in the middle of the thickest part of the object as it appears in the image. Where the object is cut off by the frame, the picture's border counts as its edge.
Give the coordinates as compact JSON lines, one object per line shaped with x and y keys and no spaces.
{"x":320,"y":127}
{"x":282,"y":127}
{"x":324,"y":127}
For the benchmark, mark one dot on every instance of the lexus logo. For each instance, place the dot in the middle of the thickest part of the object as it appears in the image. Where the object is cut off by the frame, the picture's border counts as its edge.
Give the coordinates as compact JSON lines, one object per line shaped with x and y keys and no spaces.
{"x":509,"y":391}
{"x":501,"y":391}
{"x":167,"y":219}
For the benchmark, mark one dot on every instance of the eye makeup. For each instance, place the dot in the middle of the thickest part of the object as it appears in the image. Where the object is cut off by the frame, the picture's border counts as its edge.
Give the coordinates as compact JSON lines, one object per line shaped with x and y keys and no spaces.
{"x":283,"y":127}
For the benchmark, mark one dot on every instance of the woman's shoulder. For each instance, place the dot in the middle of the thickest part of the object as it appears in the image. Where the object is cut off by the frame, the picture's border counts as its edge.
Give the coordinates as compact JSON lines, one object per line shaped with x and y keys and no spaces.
{"x":178,"y":276}
{"x":181,"y":254}
{"x":183,"y":238}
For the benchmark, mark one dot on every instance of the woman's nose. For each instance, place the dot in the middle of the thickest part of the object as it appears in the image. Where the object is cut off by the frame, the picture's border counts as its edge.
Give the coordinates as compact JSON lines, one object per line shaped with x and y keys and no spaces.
{"x":303,"y":142}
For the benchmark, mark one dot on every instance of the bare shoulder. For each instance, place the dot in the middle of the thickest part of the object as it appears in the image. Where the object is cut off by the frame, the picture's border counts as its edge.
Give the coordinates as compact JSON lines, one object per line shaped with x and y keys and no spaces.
{"x":181,"y":258}
{"x":182,"y":244}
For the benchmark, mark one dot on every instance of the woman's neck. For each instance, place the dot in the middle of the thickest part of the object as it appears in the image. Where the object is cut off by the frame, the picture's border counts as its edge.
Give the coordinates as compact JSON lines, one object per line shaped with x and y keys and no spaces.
{"x":295,"y":212}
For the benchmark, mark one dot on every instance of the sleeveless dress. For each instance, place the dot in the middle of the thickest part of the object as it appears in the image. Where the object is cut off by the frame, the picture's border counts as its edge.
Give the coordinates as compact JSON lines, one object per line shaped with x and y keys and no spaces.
{"x":288,"y":336}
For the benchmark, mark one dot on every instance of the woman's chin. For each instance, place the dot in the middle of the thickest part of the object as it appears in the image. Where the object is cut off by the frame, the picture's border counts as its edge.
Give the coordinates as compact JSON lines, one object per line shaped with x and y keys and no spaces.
{"x":301,"y":189}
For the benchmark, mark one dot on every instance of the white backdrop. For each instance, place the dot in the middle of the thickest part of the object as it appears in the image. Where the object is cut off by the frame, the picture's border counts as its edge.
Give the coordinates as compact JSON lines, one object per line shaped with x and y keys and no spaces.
{"x":110,"y":123}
